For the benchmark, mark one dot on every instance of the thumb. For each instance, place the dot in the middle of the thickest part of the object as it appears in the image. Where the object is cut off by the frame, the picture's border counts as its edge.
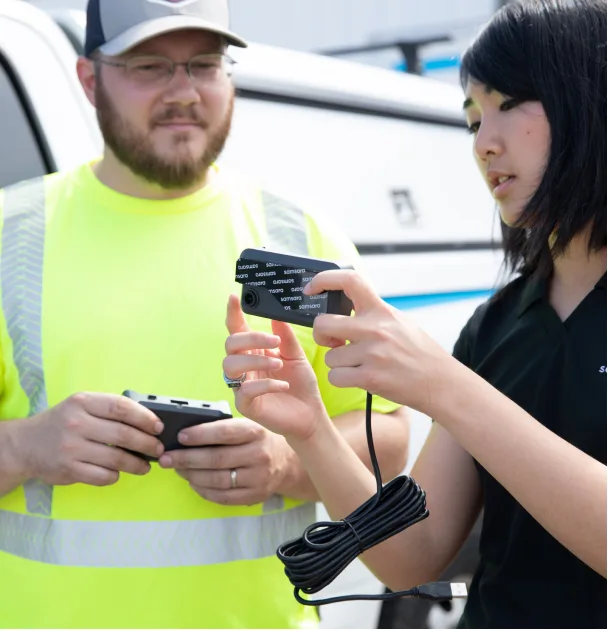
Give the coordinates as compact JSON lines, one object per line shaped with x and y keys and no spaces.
{"x":235,"y":318}
{"x":290,"y":347}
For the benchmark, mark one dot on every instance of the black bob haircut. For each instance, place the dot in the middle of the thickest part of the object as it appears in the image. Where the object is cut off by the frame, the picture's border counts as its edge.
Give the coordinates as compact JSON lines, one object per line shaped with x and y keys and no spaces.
{"x":552,"y":51}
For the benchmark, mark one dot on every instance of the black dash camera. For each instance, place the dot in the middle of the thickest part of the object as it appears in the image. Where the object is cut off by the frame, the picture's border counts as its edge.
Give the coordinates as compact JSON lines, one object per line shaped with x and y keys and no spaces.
{"x":273,"y":286}
{"x":177,"y":414}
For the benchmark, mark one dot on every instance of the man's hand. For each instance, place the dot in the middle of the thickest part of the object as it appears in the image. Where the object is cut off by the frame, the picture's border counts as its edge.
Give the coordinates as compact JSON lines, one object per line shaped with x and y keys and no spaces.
{"x":261,"y":461}
{"x":80,"y":440}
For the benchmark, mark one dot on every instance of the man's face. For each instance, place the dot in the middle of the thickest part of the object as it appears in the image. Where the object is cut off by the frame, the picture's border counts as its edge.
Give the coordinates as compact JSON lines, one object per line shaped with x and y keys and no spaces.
{"x":168,"y":133}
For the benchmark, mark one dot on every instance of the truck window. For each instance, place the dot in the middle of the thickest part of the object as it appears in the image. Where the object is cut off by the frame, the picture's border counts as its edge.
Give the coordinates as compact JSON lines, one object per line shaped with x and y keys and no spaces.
{"x":21,"y":158}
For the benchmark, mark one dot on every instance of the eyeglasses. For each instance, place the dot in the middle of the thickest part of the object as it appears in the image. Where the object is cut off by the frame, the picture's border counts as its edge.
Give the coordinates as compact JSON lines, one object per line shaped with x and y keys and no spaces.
{"x":154,"y":70}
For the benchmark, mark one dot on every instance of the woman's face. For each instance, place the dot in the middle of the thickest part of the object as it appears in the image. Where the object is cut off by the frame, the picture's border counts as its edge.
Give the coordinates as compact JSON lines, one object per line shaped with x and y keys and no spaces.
{"x":511,"y":146}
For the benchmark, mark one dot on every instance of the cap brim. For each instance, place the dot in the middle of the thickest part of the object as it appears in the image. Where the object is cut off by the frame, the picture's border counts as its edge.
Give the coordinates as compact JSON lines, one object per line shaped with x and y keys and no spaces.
{"x":152,"y":28}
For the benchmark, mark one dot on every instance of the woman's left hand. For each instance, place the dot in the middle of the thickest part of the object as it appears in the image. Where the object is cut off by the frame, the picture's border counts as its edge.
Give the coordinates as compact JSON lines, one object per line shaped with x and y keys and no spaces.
{"x":281,"y":390}
{"x":387,"y":354}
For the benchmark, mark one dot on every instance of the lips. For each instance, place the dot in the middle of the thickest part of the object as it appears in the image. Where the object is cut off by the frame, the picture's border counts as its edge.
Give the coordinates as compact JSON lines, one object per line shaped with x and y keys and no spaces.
{"x":179,"y":123}
{"x":496,"y":178}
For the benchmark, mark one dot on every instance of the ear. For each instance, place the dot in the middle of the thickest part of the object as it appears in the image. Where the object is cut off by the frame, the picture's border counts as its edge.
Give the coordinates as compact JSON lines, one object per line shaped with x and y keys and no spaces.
{"x":85,"y":69}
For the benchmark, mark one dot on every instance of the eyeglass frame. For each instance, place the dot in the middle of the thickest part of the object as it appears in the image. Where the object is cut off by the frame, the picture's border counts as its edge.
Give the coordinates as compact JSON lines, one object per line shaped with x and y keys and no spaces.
{"x":174,"y":64}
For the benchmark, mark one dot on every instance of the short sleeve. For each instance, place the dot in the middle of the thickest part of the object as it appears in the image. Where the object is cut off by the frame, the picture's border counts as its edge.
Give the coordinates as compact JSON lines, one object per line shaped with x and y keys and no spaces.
{"x":462,"y":347}
{"x":465,"y":344}
{"x":2,"y":324}
{"x":327,"y":241}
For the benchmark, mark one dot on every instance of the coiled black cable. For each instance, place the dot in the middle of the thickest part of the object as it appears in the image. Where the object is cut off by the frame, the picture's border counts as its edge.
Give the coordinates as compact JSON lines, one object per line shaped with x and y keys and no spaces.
{"x":314,"y":560}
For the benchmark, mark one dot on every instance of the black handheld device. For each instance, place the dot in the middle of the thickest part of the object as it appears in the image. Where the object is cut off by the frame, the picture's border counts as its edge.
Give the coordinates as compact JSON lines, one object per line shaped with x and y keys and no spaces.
{"x":178,"y":414}
{"x":273,"y":283}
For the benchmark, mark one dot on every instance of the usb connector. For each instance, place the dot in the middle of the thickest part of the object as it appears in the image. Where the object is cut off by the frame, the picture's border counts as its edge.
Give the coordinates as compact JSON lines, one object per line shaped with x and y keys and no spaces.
{"x":441,"y":591}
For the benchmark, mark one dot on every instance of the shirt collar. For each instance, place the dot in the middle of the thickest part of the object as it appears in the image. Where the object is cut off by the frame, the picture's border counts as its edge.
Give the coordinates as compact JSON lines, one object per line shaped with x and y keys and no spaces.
{"x":534,"y":291}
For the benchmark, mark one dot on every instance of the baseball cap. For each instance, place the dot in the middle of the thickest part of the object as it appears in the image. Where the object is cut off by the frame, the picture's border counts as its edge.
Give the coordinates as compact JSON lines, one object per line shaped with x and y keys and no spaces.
{"x":115,"y":26}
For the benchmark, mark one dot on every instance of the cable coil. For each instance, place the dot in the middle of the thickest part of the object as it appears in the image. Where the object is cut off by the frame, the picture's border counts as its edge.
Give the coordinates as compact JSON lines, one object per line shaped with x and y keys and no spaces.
{"x":326,"y":548}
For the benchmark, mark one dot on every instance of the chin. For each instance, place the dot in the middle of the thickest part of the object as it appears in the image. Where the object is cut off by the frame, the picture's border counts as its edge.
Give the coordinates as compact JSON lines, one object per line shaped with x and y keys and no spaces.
{"x":509,"y":214}
{"x":182,"y":153}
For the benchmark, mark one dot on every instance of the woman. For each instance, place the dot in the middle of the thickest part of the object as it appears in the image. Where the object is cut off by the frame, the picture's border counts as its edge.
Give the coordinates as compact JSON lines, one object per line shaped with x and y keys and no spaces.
{"x":519,"y":410}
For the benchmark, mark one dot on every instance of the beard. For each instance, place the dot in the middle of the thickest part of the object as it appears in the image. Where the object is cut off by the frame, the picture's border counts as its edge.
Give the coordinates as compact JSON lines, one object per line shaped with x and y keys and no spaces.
{"x":136,"y":151}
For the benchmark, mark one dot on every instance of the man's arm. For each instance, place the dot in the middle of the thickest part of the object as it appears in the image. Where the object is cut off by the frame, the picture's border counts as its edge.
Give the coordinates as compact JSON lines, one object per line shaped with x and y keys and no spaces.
{"x":391,"y":437}
{"x":10,"y":475}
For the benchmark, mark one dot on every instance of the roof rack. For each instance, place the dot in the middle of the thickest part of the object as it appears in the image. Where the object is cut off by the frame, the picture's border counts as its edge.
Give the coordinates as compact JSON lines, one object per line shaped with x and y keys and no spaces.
{"x":409,"y":49}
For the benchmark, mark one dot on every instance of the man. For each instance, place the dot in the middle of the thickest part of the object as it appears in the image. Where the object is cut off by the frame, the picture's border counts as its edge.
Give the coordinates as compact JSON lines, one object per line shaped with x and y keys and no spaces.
{"x":116,"y":276}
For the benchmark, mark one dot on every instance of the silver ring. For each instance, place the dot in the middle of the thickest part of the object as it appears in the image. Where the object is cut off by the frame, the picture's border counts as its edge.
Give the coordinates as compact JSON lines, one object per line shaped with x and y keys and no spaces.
{"x":235,"y":383}
{"x":233,"y":478}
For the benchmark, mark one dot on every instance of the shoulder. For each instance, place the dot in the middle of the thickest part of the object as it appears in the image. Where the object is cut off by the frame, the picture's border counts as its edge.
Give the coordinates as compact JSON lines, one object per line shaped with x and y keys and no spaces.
{"x":20,"y":198}
{"x":40,"y":186}
{"x":490,"y":317}
{"x":292,"y":221}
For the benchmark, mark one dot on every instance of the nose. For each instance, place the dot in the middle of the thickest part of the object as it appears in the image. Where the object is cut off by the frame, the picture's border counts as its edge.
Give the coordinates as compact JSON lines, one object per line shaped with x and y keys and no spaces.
{"x":181,"y":89}
{"x":488,"y":142}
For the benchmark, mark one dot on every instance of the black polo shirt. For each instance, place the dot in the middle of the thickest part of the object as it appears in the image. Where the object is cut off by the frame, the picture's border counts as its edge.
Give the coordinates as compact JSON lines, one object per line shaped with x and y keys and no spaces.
{"x":556,"y":371}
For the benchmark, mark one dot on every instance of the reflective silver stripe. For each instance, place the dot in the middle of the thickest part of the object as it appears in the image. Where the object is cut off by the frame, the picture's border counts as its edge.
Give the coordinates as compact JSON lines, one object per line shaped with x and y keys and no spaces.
{"x":21,"y":274}
{"x":124,"y":544}
{"x":286,"y":226}
{"x":274,"y":502}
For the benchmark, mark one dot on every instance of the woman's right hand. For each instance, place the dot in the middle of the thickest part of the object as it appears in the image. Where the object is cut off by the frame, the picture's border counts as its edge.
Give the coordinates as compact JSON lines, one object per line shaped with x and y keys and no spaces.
{"x":281,"y":390}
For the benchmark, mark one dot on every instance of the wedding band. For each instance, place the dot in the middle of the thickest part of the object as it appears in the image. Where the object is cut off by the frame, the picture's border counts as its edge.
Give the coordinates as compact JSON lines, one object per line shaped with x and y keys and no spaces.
{"x":235,"y":383}
{"x":233,"y":478}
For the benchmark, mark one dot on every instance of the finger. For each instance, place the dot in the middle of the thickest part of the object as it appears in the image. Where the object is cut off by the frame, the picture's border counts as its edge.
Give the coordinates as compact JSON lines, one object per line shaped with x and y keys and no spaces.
{"x":200,"y":458}
{"x":250,"y":341}
{"x":238,"y":431}
{"x":236,"y":365}
{"x":346,"y":356}
{"x":235,"y":318}
{"x":348,"y":378}
{"x":87,"y":473}
{"x":122,"y":435}
{"x":118,"y":408}
{"x":350,"y":282}
{"x":114,"y":459}
{"x":335,"y":330}
{"x":217,"y":479}
{"x":254,"y":388}
{"x":289,"y":347}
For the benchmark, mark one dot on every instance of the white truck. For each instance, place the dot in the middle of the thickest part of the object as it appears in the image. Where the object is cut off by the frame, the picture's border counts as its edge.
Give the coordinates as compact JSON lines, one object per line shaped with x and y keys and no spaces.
{"x":385,"y":155}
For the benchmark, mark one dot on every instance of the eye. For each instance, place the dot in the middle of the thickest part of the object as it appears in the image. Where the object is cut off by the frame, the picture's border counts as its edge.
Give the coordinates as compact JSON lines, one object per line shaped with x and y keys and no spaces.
{"x":473,"y":128}
{"x":509,"y":104}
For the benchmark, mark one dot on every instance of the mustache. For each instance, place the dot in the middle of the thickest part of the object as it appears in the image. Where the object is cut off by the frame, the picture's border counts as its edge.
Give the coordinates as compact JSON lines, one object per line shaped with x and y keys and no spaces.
{"x":175,"y":113}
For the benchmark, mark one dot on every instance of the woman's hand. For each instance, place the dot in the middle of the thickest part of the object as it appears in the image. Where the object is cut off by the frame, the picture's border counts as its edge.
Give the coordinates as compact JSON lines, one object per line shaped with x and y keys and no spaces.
{"x":388,"y":354}
{"x":281,"y":390}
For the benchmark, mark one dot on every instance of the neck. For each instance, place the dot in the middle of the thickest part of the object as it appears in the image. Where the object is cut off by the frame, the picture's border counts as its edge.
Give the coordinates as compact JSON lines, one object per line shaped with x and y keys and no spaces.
{"x":577,"y":268}
{"x":115,"y":175}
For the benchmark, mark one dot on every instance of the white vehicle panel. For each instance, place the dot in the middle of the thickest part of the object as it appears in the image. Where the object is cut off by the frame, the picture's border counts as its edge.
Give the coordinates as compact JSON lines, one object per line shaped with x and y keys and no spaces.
{"x":48,"y":70}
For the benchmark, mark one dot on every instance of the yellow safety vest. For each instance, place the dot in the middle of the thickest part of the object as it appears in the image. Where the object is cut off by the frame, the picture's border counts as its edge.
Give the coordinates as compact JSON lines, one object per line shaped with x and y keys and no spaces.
{"x":148,"y":551}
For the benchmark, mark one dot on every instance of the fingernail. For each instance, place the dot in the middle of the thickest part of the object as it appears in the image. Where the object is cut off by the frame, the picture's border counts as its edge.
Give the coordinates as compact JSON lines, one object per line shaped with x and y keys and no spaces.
{"x":158,"y":427}
{"x":160,"y":449}
{"x":306,"y":287}
{"x":165,"y":461}
{"x":182,"y":437}
{"x":275,"y":364}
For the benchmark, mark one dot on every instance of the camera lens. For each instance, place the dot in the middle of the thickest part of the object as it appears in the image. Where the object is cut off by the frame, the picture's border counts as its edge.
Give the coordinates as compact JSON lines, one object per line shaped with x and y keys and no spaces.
{"x":251,"y":298}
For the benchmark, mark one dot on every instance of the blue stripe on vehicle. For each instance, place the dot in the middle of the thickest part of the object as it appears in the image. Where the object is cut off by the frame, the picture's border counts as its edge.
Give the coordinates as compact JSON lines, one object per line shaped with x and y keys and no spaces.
{"x":441,"y":63}
{"x":428,"y":300}
{"x":428,"y":65}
